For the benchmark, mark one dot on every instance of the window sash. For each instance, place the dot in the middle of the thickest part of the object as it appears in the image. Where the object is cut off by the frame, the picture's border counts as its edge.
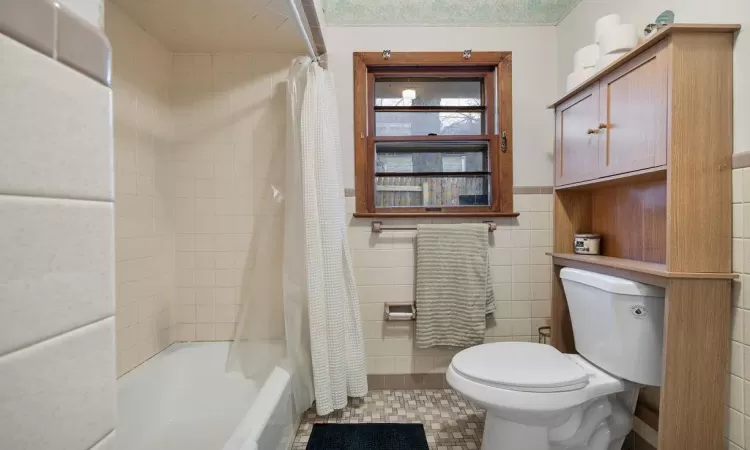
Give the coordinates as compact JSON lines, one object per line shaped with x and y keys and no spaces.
{"x":493,"y":67}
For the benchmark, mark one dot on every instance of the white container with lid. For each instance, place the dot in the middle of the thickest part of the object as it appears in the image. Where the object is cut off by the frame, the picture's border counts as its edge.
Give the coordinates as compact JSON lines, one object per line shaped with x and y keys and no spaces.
{"x":587,"y":244}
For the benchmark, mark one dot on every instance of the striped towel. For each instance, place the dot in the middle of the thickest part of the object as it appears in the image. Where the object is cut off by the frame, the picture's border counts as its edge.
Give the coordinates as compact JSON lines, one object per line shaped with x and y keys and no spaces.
{"x":454,"y":286}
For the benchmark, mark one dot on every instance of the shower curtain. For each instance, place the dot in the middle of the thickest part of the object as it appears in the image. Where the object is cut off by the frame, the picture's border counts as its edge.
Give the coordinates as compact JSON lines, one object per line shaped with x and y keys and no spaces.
{"x":323,"y":343}
{"x":336,"y":342}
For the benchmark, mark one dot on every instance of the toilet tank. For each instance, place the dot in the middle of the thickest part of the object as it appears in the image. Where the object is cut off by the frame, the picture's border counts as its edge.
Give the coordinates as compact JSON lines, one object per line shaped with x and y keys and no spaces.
{"x":618,"y":324}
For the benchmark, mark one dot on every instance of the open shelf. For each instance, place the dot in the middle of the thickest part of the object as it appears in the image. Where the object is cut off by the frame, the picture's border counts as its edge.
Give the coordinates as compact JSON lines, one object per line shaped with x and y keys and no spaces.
{"x":644,"y":271}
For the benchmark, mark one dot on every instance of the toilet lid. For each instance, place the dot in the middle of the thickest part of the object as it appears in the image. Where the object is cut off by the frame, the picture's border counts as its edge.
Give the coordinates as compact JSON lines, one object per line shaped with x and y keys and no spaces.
{"x":520,"y":366}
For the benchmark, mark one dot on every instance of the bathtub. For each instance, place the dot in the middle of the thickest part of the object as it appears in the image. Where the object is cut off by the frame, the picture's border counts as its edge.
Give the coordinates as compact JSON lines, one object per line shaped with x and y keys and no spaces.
{"x":182,"y":399}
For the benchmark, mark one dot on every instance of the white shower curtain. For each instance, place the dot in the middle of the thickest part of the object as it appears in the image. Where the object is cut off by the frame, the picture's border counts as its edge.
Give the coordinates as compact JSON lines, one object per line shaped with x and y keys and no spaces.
{"x":308,"y":265}
{"x":336,"y":343}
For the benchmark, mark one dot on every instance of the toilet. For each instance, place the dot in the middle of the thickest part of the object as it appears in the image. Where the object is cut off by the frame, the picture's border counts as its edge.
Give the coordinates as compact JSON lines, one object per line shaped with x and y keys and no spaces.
{"x":538,"y":398}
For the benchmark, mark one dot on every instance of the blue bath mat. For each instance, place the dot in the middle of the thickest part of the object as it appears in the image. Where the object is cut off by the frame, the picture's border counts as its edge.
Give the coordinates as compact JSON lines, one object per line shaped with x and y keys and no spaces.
{"x":367,"y":436}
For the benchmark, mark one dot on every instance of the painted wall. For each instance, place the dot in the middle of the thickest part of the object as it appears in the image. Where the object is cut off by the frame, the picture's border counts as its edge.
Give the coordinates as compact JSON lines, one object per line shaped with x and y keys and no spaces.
{"x":534,"y":71}
{"x":230,"y":118}
{"x":57,"y":355}
{"x":144,"y":227}
{"x":575,"y":31}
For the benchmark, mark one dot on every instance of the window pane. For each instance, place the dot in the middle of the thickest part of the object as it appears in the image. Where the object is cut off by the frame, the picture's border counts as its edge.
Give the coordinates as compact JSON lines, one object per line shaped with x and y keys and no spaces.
{"x":419,"y":157}
{"x":426,"y":123}
{"x":431,"y":191}
{"x":428,"y":92}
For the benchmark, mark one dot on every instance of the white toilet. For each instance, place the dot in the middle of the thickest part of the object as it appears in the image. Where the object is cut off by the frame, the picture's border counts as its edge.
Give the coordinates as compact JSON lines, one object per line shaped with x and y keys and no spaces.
{"x":540,"y":399}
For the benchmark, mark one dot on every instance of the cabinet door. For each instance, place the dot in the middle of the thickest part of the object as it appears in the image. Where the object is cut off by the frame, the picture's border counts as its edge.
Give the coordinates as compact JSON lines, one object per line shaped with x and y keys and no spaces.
{"x":633,"y":114}
{"x":577,"y":138}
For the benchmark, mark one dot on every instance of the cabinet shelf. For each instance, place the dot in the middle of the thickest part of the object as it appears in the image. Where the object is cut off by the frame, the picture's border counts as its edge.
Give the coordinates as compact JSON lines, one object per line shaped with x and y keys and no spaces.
{"x":638,"y":176}
{"x":652,"y":273}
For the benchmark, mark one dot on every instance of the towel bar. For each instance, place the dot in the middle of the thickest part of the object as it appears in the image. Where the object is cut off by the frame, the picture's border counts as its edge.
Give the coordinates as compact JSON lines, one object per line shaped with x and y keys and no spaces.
{"x":377,"y":227}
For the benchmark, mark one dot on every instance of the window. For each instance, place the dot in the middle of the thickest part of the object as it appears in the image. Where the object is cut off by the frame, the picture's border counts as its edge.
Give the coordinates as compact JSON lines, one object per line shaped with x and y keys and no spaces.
{"x":433,"y":134}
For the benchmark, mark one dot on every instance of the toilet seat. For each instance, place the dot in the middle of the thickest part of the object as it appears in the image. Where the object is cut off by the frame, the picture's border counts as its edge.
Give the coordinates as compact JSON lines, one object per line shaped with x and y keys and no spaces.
{"x":521,"y":367}
{"x":495,"y":397}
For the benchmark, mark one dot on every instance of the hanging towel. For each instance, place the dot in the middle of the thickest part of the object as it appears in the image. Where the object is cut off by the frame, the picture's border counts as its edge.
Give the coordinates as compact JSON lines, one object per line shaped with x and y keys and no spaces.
{"x":454,"y":286}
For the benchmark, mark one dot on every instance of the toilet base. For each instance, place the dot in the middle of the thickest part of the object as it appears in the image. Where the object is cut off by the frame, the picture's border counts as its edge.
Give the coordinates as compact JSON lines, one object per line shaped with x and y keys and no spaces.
{"x":600,"y":424}
{"x":500,"y":434}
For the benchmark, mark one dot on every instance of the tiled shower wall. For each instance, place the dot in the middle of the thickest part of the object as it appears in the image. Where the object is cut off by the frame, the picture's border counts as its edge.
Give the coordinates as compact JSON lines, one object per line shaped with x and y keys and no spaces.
{"x":521,"y":276}
{"x":230,"y":119}
{"x":144,"y":227}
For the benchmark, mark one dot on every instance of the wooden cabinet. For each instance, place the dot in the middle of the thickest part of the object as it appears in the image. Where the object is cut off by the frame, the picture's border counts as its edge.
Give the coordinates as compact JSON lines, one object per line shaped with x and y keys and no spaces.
{"x":633,"y":115}
{"x":617,"y":124}
{"x":577,"y":139}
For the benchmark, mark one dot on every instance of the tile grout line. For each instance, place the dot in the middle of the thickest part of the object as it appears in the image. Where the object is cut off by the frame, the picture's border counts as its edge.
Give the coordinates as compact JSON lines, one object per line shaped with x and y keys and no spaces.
{"x":106,"y":436}
{"x":60,"y":335}
{"x":52,"y":198}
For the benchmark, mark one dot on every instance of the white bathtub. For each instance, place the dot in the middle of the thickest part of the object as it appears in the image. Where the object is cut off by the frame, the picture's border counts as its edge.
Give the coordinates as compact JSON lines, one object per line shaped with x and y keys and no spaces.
{"x":182,"y":399}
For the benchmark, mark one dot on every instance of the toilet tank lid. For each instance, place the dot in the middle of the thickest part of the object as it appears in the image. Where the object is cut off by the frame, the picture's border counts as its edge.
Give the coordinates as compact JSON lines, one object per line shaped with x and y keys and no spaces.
{"x":611,"y":284}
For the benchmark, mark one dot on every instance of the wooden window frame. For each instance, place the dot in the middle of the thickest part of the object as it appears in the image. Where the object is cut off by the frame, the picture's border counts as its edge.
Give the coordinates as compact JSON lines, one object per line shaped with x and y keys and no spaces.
{"x":499,"y":68}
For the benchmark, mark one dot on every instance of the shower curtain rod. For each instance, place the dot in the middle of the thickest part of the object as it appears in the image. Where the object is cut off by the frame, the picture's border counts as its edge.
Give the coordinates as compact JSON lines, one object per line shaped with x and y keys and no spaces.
{"x":302,"y":31}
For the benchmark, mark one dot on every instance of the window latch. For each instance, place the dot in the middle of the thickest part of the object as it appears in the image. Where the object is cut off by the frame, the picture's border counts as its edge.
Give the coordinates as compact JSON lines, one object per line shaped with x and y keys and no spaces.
{"x":504,"y":142}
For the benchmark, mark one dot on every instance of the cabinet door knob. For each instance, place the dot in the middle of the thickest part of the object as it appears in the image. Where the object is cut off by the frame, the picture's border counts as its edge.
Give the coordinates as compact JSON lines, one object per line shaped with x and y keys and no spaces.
{"x":603,"y":126}
{"x":591,"y":131}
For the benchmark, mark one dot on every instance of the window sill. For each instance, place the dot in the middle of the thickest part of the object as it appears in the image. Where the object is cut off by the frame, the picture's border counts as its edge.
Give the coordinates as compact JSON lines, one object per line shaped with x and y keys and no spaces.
{"x":412,"y":215}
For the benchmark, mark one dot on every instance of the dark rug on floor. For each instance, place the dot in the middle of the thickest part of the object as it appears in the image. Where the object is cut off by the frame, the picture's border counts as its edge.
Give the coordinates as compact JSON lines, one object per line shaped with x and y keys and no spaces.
{"x":367,"y":436}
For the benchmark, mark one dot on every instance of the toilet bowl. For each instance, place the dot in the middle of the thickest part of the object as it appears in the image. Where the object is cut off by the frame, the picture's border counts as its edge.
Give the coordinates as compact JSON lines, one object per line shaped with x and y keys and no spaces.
{"x":538,"y":398}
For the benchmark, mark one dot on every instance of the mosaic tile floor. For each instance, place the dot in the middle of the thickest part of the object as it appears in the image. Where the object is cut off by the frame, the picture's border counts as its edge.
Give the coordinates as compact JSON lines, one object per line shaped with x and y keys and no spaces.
{"x":450,"y":421}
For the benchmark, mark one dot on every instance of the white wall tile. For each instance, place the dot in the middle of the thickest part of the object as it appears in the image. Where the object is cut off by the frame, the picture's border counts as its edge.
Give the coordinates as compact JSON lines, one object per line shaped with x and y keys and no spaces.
{"x":145,"y":223}
{"x":737,"y":186}
{"x":221,"y":181}
{"x":746,"y":185}
{"x":736,"y":394}
{"x":738,"y":229}
{"x":737,"y":255}
{"x":737,"y":324}
{"x":737,"y":359}
{"x":56,"y":271}
{"x":46,"y":153}
{"x":735,"y":429}
{"x":384,"y":273}
{"x":60,"y":393}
